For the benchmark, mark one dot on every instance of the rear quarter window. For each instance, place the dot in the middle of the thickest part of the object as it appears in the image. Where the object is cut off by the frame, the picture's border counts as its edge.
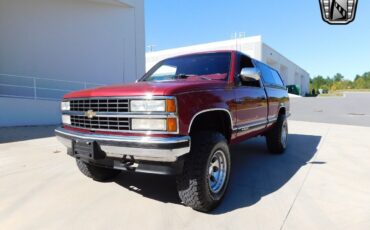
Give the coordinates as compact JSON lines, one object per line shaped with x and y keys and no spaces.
{"x":270,"y":76}
{"x":277,"y":78}
{"x":267,"y":77}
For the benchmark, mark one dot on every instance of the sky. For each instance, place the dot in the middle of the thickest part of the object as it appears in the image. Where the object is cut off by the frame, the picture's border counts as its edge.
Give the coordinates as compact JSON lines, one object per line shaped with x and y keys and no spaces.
{"x":292,"y":27}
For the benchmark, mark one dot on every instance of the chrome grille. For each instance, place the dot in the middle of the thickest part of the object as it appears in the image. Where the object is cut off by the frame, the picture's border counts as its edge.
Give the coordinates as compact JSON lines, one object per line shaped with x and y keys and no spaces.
{"x":100,"y":105}
{"x":101,"y":123}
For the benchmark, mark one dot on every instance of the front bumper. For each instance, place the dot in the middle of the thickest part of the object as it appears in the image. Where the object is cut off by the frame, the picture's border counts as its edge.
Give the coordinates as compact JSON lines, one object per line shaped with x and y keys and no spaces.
{"x":129,"y":153}
{"x":140,"y":148}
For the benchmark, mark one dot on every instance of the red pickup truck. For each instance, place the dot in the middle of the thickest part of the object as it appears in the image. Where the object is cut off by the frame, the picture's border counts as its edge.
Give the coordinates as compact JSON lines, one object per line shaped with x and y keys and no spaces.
{"x":179,"y":119}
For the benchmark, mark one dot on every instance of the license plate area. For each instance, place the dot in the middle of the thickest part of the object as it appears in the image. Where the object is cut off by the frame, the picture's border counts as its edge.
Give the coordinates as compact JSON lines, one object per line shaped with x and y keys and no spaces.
{"x":84,"y":149}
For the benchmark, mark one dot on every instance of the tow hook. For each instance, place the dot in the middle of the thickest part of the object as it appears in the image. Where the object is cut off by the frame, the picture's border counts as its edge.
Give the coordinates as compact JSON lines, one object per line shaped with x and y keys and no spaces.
{"x":127,"y":162}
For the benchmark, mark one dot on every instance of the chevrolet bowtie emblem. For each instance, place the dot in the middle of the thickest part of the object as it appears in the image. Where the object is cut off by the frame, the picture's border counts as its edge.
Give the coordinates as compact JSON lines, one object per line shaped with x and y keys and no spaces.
{"x":90,"y":114}
{"x":338,"y":12}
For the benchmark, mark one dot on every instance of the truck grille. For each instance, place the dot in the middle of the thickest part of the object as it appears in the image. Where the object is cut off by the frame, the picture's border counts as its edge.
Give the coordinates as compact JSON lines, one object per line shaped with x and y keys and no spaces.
{"x":100,"y":105}
{"x":101,"y":123}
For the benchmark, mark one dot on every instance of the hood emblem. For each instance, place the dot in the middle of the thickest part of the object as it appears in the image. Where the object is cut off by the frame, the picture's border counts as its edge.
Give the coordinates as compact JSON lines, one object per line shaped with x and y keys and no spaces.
{"x":90,"y":114}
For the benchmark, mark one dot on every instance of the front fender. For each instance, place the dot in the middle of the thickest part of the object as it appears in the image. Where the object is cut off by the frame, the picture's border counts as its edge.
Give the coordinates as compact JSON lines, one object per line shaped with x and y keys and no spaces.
{"x":191,"y":105}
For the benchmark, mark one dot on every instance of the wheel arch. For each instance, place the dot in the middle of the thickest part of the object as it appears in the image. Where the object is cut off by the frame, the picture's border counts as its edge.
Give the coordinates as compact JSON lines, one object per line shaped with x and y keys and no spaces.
{"x":226,"y":125}
{"x":282,"y":111}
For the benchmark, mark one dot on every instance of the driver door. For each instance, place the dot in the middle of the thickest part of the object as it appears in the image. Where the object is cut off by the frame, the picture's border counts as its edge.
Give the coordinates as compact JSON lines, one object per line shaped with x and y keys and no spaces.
{"x":251,"y":101}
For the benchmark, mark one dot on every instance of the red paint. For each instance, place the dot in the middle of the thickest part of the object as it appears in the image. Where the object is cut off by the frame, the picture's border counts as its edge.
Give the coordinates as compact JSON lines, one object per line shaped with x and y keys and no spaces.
{"x":232,"y":68}
{"x":148,"y":88}
{"x":196,"y":95}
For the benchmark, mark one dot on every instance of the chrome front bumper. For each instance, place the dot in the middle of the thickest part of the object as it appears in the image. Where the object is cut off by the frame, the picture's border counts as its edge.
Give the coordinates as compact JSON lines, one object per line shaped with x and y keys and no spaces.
{"x":139,"y":147}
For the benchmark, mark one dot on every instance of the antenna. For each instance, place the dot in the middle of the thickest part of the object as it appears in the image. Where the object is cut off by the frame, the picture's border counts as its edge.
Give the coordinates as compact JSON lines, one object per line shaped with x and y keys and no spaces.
{"x":151,"y":47}
{"x":236,"y":36}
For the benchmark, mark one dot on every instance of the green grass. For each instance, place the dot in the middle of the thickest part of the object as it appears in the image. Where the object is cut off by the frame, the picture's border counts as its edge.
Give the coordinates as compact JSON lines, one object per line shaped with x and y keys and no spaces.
{"x":354,"y":90}
{"x":334,"y":94}
{"x":340,"y":93}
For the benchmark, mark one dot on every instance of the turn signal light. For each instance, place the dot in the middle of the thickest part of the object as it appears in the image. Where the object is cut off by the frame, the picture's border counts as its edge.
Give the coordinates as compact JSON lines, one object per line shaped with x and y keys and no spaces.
{"x":171,"y":124}
{"x":170,"y":105}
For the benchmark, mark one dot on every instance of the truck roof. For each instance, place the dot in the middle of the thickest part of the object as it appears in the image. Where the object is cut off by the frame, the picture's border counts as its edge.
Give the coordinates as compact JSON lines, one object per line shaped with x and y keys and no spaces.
{"x":204,"y":52}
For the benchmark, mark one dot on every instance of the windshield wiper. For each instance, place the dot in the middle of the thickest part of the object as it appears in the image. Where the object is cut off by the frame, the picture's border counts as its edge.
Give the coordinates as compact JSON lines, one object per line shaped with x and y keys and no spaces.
{"x":184,"y":76}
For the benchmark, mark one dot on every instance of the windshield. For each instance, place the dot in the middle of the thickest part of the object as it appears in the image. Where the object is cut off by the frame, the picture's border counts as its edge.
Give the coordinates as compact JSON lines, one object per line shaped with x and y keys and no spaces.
{"x":210,"y":66}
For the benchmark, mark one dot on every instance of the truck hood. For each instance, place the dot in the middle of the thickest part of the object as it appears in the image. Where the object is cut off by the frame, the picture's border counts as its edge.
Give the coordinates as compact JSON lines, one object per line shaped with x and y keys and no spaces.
{"x":168,"y":88}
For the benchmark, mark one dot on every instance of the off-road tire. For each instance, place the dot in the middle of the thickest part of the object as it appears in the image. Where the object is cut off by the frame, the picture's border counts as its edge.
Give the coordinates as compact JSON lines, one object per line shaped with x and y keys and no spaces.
{"x":274,"y":139}
{"x":193,"y":184}
{"x":96,"y":173}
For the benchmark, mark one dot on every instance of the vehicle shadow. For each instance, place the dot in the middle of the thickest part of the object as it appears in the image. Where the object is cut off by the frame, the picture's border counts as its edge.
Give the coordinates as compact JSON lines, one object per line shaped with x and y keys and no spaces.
{"x":24,"y":133}
{"x":255,"y":173}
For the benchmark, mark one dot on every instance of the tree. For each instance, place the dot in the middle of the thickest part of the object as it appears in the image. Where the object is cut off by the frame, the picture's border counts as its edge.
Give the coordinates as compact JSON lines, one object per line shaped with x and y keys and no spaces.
{"x":338,"y":77}
{"x":340,"y":85}
{"x":360,"y":83}
{"x":357,"y":77}
{"x":329,"y":82}
{"x":337,"y":82}
{"x":317,"y":82}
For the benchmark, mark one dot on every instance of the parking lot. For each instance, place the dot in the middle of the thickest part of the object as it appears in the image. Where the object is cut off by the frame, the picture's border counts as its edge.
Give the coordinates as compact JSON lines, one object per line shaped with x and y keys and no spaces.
{"x":322,"y":182}
{"x":351,"y":109}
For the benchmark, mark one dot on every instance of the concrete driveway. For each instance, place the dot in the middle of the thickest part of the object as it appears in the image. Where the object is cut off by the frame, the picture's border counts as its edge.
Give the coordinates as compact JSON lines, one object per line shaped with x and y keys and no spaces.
{"x":351,"y":109}
{"x":322,"y":182}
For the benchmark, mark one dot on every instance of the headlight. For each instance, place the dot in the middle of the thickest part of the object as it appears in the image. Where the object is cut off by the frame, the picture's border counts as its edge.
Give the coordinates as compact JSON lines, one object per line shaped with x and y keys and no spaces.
{"x":148,"y":105}
{"x":149,"y":124}
{"x":66,"y":119}
{"x":65,"y":105}
{"x":168,"y":105}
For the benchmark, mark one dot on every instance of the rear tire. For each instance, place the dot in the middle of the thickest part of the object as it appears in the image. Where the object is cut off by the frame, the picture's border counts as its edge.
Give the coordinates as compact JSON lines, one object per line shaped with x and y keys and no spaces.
{"x":206,"y":172}
{"x":96,"y":173}
{"x":277,"y":136}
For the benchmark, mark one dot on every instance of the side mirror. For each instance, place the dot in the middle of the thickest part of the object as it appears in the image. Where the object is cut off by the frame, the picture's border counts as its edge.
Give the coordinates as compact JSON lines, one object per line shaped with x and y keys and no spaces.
{"x":248,"y":75}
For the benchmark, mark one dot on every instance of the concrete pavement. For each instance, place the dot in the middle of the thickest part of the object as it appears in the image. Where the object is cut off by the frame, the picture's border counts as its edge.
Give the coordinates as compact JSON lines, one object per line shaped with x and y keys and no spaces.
{"x":351,"y":109}
{"x":322,"y":182}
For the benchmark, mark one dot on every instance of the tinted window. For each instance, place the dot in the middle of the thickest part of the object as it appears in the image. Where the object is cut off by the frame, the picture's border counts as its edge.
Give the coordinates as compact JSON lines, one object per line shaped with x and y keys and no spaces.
{"x":245,"y":62}
{"x":277,"y":78}
{"x":270,"y":76}
{"x":210,"y":66}
{"x":267,"y":76}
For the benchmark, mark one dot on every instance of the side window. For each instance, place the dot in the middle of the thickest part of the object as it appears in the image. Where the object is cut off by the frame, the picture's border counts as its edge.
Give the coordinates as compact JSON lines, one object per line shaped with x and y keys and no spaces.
{"x":267,"y":76}
{"x":277,"y":78}
{"x":246,"y":62}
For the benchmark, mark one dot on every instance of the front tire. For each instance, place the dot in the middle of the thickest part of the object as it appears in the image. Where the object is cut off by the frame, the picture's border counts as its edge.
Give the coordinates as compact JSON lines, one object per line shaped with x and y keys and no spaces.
{"x":206,"y":173}
{"x":277,"y":136}
{"x":96,"y":173}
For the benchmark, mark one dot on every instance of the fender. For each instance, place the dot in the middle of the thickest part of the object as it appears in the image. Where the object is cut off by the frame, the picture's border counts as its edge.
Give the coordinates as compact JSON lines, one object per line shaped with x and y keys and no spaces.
{"x":272,"y":119}
{"x":211,"y":110}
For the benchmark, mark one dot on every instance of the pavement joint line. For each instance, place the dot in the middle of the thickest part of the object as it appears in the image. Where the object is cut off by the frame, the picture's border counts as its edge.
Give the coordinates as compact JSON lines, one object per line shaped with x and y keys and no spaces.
{"x":319,"y":147}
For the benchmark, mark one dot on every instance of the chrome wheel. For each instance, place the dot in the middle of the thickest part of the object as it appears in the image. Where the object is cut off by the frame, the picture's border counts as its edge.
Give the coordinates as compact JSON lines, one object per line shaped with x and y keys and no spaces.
{"x":217,"y":171}
{"x":284,"y":134}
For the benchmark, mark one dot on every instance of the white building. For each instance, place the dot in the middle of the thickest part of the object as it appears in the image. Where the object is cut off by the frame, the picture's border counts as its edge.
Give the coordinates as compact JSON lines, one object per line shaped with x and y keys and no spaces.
{"x":252,"y":46}
{"x":51,"y":47}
